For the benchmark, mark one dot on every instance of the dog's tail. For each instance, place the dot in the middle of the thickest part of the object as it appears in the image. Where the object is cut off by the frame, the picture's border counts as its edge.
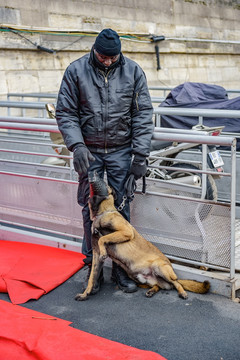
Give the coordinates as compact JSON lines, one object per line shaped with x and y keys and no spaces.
{"x":195,"y":286}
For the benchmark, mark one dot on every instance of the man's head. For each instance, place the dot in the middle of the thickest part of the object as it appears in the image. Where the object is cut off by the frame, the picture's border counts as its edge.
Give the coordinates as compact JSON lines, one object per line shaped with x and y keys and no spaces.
{"x":107,"y":47}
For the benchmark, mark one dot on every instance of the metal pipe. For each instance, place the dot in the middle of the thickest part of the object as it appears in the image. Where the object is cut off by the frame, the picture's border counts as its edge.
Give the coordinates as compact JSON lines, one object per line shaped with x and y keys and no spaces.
{"x":157,"y":110}
{"x":156,"y":99}
{"x":183,"y":137}
{"x":162,"y":88}
{"x":36,"y":164}
{"x":30,"y":127}
{"x":22,"y":104}
{"x":39,"y":177}
{"x":33,"y":95}
{"x":152,"y":157}
{"x":195,"y":139}
{"x":180,"y":131}
{"x":32,"y":143}
{"x":172,"y":168}
{"x":204,"y":168}
{"x":197,"y":112}
{"x":35,"y":153}
{"x":19,"y":225}
{"x":180,"y":197}
{"x":28,"y":120}
{"x":194,"y":262}
{"x":233,"y":209}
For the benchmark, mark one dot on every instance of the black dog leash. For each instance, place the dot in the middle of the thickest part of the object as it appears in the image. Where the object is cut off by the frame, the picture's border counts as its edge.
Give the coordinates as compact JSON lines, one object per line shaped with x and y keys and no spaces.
{"x":129,"y":190}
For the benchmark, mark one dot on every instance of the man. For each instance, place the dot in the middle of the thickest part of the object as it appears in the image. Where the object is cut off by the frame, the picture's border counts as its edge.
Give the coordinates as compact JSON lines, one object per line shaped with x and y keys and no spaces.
{"x":104,"y":113}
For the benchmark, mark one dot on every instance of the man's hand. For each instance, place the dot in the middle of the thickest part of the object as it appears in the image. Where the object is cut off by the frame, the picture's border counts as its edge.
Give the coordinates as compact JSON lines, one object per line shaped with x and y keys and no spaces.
{"x":81,"y":158}
{"x":139,"y":166}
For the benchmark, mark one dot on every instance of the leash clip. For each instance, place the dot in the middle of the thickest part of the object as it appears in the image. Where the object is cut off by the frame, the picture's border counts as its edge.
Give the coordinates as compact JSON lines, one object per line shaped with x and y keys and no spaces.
{"x":121,"y":206}
{"x":130,"y":188}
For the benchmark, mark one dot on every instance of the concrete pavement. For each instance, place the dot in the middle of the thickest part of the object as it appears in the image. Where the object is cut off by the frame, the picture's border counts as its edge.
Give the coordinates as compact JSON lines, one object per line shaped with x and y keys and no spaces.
{"x":201,"y":327}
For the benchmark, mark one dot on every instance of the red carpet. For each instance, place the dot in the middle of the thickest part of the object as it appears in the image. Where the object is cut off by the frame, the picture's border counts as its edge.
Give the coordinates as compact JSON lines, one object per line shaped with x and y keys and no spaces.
{"x":28,"y":271}
{"x":27,"y":334}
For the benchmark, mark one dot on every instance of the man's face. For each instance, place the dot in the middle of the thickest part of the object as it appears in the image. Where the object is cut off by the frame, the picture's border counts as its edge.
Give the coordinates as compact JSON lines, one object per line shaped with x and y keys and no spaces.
{"x":106,"y":60}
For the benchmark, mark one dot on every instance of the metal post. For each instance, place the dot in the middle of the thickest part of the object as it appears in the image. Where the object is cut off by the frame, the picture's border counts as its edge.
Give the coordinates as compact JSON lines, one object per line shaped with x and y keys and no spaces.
{"x":23,"y":111}
{"x":233,"y":209}
{"x":204,"y":168}
{"x":40,"y":113}
{"x":71,"y":169}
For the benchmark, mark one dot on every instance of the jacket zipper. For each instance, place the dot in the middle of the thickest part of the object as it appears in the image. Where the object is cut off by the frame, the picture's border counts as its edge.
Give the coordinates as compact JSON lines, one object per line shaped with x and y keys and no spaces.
{"x":106,"y":111}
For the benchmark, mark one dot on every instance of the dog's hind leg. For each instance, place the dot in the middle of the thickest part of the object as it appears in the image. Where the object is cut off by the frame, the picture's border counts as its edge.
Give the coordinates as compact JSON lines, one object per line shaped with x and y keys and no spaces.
{"x":181,"y":292}
{"x":167,"y":273}
{"x":95,"y":271}
{"x":152,"y":291}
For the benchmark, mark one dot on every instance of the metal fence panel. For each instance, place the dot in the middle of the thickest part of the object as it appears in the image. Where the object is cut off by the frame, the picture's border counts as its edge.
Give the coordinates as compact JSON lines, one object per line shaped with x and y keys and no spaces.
{"x":41,"y":203}
{"x":187,"y":229}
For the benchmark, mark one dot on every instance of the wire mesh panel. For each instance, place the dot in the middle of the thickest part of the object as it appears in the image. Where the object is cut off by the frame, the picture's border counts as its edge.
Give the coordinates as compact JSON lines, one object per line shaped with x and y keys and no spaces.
{"x":185,"y":228}
{"x":41,"y":203}
{"x":188,"y":229}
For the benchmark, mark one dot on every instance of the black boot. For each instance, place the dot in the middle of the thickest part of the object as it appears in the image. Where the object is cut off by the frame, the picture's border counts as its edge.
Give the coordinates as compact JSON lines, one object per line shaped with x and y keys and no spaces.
{"x":120,"y":277}
{"x":98,"y":284}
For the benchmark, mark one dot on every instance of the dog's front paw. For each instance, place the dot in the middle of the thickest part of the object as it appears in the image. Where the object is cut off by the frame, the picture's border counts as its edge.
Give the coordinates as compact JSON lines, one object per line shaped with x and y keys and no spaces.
{"x":81,"y":297}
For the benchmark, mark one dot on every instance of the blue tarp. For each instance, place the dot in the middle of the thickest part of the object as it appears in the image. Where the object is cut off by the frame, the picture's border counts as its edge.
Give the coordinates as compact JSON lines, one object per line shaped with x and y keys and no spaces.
{"x":202,"y":96}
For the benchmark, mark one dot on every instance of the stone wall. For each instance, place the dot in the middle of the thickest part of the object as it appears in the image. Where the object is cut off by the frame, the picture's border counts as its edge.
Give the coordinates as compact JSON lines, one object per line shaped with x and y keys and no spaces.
{"x":202,"y":40}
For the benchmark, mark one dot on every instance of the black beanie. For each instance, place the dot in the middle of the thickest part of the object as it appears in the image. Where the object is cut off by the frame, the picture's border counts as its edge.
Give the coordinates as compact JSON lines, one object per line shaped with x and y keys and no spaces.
{"x":108,"y":43}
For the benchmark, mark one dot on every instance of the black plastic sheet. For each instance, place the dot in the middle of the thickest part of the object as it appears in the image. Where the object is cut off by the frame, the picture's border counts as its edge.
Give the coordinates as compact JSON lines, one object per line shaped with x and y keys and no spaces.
{"x":202,"y":96}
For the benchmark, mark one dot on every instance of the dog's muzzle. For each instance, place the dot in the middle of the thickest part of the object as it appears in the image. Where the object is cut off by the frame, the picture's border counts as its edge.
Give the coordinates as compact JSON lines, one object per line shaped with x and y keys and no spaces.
{"x":96,"y":184}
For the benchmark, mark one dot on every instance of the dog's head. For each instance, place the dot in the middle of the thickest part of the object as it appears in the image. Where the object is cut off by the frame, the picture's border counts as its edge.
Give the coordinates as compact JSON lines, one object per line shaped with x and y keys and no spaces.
{"x":99,"y":192}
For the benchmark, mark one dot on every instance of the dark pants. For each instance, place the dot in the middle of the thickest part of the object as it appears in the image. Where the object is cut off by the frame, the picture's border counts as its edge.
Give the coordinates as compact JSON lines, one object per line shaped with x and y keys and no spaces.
{"x":116,"y":165}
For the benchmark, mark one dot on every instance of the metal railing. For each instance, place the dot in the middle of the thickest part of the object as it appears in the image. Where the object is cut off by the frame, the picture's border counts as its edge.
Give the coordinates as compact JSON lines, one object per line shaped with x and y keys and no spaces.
{"x":39,"y":96}
{"x":46,"y":203}
{"x":200,"y":114}
{"x":164,"y":90}
{"x":23,"y":105}
{"x":41,"y":125}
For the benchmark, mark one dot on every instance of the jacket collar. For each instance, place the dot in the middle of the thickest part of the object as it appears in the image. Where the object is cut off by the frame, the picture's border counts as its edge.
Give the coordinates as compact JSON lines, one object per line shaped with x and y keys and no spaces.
{"x":96,"y":64}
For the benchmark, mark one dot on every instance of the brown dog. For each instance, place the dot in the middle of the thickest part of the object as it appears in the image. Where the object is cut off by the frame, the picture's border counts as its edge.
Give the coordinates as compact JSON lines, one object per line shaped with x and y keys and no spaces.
{"x":115,"y":237}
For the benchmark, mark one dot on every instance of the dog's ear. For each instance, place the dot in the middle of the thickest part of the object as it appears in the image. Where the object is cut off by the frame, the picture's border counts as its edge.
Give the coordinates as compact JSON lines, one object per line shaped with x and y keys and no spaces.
{"x":112,"y":192}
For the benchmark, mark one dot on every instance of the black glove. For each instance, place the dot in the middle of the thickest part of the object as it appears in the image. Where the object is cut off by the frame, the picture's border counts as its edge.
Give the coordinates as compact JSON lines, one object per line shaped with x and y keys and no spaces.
{"x":81,"y":158}
{"x":139,"y":166}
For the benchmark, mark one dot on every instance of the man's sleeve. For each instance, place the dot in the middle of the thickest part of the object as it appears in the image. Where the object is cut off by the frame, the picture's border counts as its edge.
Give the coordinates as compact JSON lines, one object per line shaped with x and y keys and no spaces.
{"x":142,"y":122}
{"x":67,"y":110}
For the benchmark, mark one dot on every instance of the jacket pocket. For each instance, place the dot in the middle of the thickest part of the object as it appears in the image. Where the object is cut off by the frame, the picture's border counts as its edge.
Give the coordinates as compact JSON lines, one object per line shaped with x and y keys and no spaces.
{"x":123,"y":129}
{"x":125,"y":94}
{"x":124,"y":123}
{"x":92,"y":126}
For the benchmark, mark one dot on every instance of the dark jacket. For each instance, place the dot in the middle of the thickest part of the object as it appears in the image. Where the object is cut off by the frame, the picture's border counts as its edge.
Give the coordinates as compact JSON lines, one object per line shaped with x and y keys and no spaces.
{"x":106,"y":111}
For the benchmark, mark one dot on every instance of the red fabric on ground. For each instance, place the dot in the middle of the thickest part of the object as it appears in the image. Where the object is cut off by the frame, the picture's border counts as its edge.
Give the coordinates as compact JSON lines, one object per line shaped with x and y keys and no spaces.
{"x":27,"y":271}
{"x":27,"y":334}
